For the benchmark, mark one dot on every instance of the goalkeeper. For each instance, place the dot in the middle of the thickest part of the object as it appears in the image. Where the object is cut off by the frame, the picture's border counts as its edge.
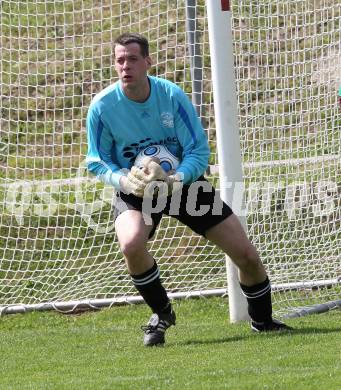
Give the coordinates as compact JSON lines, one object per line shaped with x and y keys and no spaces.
{"x":139,"y":110}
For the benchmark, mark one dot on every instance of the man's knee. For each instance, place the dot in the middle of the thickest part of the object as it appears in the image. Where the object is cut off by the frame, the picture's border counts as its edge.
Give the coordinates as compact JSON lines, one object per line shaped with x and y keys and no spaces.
{"x":249,"y":260}
{"x":132,"y":233}
{"x":132,"y":246}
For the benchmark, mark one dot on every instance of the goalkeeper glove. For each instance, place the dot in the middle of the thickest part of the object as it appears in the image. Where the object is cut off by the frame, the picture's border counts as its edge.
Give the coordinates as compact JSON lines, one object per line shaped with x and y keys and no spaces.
{"x":174,"y":182}
{"x":158,"y":174}
{"x":137,"y":179}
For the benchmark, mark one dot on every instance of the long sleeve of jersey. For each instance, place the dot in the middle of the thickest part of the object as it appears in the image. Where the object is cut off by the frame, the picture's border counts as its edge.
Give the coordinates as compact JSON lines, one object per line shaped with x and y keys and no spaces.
{"x":101,"y":147}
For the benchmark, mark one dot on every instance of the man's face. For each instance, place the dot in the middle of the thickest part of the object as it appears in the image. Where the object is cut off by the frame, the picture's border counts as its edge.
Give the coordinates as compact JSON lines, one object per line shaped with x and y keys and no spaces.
{"x":130,"y":65}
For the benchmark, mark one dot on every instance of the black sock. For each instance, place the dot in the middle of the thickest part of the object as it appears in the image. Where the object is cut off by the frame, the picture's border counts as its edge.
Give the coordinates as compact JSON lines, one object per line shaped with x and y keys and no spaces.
{"x":154,"y":294}
{"x":259,"y":301}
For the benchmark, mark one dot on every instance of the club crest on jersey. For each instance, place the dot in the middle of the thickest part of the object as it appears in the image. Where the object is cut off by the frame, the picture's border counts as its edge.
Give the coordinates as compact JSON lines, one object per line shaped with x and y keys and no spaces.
{"x":167,"y":119}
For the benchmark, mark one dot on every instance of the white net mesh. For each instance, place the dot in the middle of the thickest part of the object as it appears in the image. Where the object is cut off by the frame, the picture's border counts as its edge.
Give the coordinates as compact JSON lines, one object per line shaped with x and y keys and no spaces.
{"x":288,"y":67}
{"x":57,"y":241}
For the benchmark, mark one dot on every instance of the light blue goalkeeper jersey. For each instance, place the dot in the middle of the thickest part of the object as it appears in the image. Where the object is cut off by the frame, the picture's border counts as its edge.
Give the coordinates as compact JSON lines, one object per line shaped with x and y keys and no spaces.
{"x":119,"y":128}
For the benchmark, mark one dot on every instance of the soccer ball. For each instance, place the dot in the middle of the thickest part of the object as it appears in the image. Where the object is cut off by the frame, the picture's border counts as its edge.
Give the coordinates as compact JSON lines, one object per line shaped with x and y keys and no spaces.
{"x":167,"y":160}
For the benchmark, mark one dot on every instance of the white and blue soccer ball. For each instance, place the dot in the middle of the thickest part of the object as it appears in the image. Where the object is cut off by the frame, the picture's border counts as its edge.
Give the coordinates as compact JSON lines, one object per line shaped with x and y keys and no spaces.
{"x":167,"y":159}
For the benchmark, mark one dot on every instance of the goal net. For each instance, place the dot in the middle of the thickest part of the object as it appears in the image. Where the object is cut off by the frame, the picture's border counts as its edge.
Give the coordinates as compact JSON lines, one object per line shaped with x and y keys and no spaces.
{"x":57,"y":240}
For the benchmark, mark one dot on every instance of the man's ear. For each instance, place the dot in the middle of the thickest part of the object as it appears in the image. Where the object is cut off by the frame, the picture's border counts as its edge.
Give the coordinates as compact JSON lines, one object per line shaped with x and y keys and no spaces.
{"x":149,"y":61}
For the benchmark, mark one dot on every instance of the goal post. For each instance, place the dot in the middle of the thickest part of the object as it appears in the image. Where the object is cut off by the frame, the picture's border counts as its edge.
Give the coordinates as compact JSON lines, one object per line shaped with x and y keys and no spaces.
{"x":227,"y":130}
{"x":58,"y":248}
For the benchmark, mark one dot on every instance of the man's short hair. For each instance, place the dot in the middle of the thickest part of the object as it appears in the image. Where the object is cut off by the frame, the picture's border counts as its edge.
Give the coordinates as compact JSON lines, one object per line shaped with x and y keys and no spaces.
{"x":126,"y":38}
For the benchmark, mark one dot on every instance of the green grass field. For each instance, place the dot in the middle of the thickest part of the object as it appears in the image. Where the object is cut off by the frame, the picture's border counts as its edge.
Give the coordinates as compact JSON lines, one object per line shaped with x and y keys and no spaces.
{"x":103,"y":350}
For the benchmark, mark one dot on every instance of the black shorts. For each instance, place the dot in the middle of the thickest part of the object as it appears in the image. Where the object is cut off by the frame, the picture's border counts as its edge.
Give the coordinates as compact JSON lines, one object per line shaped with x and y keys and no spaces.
{"x":197,"y":206}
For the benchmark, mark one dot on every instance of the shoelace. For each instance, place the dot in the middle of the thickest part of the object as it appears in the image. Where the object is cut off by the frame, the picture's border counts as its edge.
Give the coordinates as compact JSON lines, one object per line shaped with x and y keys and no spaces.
{"x":150,"y":328}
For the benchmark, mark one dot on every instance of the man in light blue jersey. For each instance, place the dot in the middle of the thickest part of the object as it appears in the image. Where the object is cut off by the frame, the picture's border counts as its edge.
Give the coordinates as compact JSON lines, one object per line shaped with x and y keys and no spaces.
{"x":126,"y":117}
